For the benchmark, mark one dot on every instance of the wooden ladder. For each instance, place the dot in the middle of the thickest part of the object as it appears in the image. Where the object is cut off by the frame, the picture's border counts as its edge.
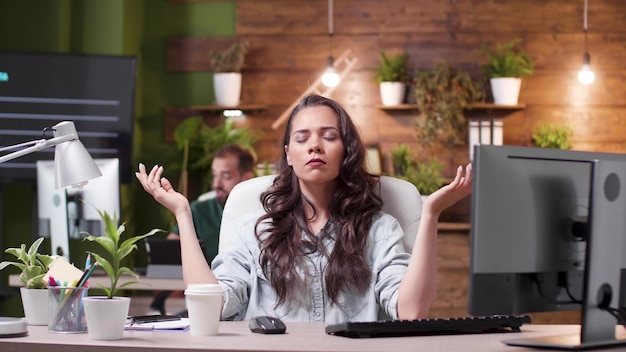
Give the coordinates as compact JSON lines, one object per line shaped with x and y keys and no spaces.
{"x":343,"y":65}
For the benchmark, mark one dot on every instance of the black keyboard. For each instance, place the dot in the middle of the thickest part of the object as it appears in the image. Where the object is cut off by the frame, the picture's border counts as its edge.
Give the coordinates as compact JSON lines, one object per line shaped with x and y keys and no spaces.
{"x":431,"y":326}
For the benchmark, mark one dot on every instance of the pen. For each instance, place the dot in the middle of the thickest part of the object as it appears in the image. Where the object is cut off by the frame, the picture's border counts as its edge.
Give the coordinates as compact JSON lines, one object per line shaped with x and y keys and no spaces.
{"x":83,"y":280}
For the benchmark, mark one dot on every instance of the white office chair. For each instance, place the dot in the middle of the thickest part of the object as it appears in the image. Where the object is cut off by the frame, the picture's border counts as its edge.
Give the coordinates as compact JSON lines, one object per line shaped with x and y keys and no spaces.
{"x":401,"y":200}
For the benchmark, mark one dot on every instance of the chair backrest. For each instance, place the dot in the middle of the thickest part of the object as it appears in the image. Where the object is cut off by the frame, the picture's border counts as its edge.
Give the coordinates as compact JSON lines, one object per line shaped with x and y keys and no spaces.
{"x":401,"y":200}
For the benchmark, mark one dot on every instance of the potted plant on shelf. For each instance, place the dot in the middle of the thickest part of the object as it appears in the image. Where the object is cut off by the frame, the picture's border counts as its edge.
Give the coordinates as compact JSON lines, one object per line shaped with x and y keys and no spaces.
{"x":442,"y":95}
{"x":552,"y":136}
{"x":391,"y":76}
{"x":505,"y":69}
{"x":227,"y":65}
{"x":106,"y":315}
{"x":33,"y":266}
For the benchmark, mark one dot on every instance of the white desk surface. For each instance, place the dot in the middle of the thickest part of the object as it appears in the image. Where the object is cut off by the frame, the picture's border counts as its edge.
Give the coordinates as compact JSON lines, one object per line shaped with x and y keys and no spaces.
{"x":145,"y":283}
{"x":300,"y":337}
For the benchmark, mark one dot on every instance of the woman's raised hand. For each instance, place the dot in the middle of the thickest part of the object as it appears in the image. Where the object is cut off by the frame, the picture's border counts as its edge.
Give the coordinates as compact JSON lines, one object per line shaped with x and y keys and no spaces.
{"x":161,"y":189}
{"x":451,"y":193}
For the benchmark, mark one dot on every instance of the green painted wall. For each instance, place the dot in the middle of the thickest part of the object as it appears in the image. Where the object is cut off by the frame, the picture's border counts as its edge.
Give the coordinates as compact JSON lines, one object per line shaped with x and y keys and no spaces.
{"x":125,"y":27}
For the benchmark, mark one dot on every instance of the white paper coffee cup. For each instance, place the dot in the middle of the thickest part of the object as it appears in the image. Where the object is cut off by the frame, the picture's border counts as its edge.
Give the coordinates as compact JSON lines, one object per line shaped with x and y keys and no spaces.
{"x":204,"y":306}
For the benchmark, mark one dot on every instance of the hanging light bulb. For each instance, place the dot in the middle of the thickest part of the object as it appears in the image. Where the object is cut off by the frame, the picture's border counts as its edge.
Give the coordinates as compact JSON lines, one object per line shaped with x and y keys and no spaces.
{"x":585,"y":75}
{"x":330,"y":77}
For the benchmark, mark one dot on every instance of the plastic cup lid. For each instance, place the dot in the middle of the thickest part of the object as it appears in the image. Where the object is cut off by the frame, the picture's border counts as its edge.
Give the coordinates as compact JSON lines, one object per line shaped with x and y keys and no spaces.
{"x":203,"y":289}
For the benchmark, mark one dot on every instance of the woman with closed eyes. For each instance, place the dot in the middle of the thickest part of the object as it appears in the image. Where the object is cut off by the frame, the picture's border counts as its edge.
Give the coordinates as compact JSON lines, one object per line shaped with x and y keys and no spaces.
{"x":322,"y":249}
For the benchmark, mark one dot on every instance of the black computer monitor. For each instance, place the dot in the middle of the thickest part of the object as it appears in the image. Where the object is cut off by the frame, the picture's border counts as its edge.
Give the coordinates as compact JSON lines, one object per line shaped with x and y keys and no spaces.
{"x":547,"y":234}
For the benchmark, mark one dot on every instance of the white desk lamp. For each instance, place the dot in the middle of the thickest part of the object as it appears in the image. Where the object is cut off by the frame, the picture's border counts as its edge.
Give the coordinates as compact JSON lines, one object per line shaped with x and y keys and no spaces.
{"x":73,"y":166}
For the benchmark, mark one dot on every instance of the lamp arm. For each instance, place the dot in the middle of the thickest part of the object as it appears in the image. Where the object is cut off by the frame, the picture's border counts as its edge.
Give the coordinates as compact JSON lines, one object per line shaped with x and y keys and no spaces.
{"x":39,"y":145}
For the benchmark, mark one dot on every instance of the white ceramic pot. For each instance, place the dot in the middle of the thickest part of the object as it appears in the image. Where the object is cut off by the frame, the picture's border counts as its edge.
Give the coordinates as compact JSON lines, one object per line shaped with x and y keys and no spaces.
{"x":392,"y":93}
{"x":35,"y":303}
{"x":227,"y":87}
{"x":106,"y":317}
{"x":505,"y":90}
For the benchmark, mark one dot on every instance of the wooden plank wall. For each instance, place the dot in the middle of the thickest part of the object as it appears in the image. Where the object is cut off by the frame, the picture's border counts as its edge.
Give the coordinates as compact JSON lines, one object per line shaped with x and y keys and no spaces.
{"x":289,"y":47}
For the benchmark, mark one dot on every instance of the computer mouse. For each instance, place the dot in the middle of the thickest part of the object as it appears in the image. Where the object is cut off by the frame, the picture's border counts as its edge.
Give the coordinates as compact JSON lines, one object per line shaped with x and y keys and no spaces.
{"x":267,"y":325}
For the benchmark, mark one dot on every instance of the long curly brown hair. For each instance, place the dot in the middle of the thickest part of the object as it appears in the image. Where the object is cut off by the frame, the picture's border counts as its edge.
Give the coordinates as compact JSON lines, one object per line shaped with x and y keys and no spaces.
{"x":354,"y":203}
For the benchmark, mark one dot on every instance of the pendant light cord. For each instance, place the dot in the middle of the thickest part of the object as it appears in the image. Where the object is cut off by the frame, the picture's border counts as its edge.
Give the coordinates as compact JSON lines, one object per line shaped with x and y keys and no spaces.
{"x":584,"y":23}
{"x":330,"y":27}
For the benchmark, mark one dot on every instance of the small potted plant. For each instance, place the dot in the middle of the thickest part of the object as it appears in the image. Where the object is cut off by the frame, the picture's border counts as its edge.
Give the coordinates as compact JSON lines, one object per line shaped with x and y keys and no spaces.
{"x":392,"y":77}
{"x":227,"y":65}
{"x":505,"y":69}
{"x":426,"y":176}
{"x":106,"y":315}
{"x":33,"y":266}
{"x":552,"y":136}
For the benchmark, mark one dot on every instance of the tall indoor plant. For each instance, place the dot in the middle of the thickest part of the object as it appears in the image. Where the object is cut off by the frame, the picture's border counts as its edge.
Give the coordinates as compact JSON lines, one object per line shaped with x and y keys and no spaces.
{"x":33,"y":266}
{"x":392,"y":77}
{"x":199,"y":142}
{"x":106,"y":315}
{"x":442,"y":95}
{"x":505,"y":69}
{"x":227,"y":65}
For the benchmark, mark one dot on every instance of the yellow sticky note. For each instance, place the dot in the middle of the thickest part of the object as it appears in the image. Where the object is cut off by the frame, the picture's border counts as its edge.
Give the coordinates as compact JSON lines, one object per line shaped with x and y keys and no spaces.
{"x":62,"y":271}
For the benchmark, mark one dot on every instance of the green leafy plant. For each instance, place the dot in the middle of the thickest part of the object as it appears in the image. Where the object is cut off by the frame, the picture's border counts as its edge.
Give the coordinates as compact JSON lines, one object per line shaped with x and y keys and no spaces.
{"x":33,"y":265}
{"x":231,"y":59}
{"x":114,"y":250}
{"x":392,"y":68}
{"x":426,"y":176}
{"x":400,"y":158}
{"x":507,"y":61}
{"x":199,"y":142}
{"x":442,"y":95}
{"x":552,"y":136}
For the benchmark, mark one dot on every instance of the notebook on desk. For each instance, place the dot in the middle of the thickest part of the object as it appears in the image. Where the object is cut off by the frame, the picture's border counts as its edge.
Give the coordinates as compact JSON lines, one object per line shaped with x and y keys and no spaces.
{"x":163,"y":258}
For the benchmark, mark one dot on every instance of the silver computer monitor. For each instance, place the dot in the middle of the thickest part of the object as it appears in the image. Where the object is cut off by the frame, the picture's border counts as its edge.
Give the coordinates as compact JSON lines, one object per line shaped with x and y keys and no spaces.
{"x":64,"y":213}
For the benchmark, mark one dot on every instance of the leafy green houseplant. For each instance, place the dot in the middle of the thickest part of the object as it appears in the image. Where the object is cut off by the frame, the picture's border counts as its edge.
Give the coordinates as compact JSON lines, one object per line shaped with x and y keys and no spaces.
{"x":106,"y":315}
{"x":231,"y":59}
{"x":33,"y":266}
{"x":505,"y":68}
{"x":114,"y":250}
{"x":442,"y":94}
{"x":199,"y":142}
{"x":505,"y":60}
{"x":392,"y":68}
{"x":227,"y":65}
{"x":552,"y":136}
{"x":426,"y":176}
{"x":392,"y":77}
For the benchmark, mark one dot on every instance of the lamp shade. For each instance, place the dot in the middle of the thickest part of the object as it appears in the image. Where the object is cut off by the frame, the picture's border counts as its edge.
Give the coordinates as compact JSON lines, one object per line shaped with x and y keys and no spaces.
{"x":72,"y":163}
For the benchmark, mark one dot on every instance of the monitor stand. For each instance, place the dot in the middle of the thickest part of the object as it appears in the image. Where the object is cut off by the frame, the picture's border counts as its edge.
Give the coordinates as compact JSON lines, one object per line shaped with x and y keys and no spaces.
{"x":603,"y":261}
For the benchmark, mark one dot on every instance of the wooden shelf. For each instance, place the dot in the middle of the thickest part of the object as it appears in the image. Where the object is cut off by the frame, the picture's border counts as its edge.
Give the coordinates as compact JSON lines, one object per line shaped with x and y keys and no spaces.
{"x":215,"y":108}
{"x":474,"y":106}
{"x":174,"y":115}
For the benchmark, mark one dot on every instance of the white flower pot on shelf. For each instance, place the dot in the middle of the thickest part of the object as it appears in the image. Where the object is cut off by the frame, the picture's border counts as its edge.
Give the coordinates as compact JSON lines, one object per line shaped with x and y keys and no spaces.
{"x":392,"y":93}
{"x":35,"y":304}
{"x":106,"y":317}
{"x":227,"y":88}
{"x":505,"y":90}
